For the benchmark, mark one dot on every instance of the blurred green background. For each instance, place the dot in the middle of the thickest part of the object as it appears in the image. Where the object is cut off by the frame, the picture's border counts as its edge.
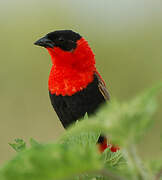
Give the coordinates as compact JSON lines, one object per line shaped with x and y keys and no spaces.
{"x":125,"y":35}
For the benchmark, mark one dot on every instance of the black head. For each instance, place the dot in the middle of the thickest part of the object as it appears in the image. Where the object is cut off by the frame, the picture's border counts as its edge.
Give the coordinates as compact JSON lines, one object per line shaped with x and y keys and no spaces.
{"x":64,"y":39}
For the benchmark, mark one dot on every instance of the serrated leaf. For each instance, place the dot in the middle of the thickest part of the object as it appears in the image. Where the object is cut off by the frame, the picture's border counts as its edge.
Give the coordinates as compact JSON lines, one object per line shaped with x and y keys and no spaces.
{"x":83,"y":139}
{"x":85,"y":116}
{"x":123,"y":123}
{"x":19,"y":146}
{"x":53,"y":161}
{"x":33,"y":142}
{"x":113,"y":158}
{"x":75,"y":154}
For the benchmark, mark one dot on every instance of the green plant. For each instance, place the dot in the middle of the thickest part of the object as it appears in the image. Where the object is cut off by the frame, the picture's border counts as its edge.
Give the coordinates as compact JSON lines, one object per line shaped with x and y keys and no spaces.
{"x":75,"y":155}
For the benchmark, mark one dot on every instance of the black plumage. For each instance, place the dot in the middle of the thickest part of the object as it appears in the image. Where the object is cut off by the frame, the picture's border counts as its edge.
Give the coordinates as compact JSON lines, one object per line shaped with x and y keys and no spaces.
{"x":71,"y":108}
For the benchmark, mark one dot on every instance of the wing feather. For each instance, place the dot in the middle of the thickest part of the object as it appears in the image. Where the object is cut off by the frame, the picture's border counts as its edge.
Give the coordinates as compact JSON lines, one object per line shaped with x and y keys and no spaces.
{"x":102,"y":87}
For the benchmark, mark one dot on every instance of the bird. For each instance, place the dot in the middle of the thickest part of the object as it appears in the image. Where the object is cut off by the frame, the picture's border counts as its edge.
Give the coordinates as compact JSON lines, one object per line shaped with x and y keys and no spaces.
{"x":75,"y":86}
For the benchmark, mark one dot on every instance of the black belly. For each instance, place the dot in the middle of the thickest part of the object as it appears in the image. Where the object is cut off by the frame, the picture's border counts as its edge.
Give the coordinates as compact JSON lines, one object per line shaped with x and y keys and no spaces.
{"x":71,"y":108}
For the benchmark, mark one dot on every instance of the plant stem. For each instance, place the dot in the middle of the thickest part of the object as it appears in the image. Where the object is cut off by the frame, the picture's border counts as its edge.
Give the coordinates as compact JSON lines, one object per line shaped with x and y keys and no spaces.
{"x":136,"y":164}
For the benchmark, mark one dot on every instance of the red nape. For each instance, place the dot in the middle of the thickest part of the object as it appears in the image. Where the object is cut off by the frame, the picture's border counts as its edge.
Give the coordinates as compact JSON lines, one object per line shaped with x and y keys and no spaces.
{"x":71,"y":71}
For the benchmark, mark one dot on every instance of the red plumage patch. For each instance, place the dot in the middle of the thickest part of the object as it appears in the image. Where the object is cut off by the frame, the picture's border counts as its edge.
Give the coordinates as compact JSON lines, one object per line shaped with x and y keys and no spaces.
{"x":114,"y":148}
{"x":102,"y":146}
{"x":71,"y":71}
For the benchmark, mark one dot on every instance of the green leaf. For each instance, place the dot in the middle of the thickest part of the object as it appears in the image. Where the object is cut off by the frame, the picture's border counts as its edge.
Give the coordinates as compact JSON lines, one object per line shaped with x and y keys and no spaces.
{"x":113,"y":159}
{"x":52,"y":161}
{"x":19,"y":146}
{"x":75,"y":155}
{"x":123,"y":123}
{"x":83,"y":139}
{"x":86,"y":116}
{"x":131,"y":120}
{"x":33,"y":142}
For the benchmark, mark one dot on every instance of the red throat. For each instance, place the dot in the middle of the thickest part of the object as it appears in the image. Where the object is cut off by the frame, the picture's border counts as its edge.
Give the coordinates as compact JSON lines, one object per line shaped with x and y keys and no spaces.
{"x":71,"y":71}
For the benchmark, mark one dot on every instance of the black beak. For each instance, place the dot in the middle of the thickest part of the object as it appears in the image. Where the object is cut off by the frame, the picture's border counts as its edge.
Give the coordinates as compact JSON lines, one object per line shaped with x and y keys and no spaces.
{"x":45,"y":42}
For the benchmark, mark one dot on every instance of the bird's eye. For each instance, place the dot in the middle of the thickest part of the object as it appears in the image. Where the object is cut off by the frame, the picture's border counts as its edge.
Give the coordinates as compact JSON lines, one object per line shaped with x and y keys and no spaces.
{"x":61,"y":39}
